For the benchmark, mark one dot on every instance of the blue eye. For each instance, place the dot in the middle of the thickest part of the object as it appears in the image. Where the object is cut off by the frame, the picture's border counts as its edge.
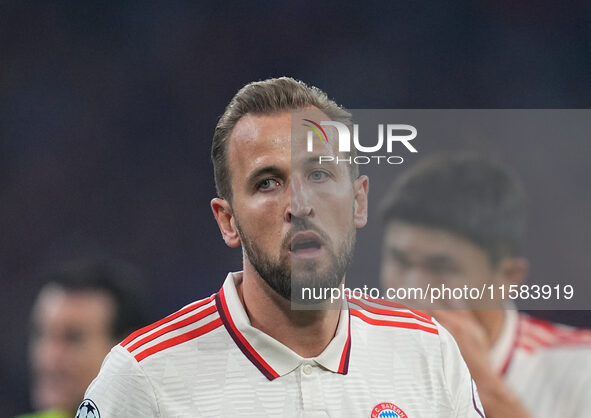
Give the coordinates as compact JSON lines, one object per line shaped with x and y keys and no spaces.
{"x":318,"y":175}
{"x":267,"y":184}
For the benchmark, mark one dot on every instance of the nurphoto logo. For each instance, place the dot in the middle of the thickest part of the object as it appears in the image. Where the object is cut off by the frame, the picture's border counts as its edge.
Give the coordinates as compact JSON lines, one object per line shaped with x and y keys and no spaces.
{"x":388,"y":134}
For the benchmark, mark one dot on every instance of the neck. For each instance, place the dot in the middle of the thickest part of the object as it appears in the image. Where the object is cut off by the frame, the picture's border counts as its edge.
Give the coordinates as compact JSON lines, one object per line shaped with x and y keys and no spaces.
{"x":306,"y":332}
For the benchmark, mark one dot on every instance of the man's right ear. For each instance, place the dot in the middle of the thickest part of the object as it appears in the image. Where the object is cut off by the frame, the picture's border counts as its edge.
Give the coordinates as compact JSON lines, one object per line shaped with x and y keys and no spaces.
{"x":222,"y":212}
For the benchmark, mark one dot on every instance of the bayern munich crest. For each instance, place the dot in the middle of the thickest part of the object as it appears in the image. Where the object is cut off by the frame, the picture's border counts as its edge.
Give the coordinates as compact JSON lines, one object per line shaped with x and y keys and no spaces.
{"x":387,"y":410}
{"x":87,"y":409}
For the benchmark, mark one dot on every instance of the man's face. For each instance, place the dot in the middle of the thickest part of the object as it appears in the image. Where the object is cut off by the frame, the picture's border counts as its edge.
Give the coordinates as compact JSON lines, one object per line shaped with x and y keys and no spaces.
{"x":71,"y":336}
{"x":418,"y":256}
{"x":296,"y":218}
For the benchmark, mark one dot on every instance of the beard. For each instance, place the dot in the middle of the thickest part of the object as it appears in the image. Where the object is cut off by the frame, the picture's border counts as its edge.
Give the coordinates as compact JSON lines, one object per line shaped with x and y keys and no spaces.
{"x":287,"y":279}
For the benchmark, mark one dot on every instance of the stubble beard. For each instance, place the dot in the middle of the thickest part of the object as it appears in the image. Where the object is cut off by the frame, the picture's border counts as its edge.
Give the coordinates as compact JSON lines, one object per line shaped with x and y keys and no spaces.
{"x":278,"y":274}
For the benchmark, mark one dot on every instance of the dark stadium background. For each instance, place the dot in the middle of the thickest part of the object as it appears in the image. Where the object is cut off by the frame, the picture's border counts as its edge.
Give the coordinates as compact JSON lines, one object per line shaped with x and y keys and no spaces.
{"x":107,"y":111}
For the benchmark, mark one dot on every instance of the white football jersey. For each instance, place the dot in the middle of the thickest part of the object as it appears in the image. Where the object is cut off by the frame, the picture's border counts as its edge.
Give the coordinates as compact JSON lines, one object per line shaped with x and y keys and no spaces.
{"x":206,"y":360}
{"x":547,"y":365}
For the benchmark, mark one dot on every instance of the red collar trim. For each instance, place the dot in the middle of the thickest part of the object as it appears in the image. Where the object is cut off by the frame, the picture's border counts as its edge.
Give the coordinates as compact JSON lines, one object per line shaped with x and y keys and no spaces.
{"x":241,"y":342}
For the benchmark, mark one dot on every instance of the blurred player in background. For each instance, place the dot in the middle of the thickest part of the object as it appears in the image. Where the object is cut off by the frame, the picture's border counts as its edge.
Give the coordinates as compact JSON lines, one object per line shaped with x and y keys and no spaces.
{"x":80,"y":313}
{"x":244,"y":351}
{"x":460,"y":219}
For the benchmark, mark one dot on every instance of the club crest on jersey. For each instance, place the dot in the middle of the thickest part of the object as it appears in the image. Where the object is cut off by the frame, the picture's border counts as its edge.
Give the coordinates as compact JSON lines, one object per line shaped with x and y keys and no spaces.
{"x":387,"y":410}
{"x":87,"y":409}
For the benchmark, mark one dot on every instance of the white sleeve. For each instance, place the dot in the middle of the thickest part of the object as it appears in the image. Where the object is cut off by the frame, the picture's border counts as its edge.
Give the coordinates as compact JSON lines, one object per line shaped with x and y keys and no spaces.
{"x":462,"y":389}
{"x":578,"y":402}
{"x":120,"y":390}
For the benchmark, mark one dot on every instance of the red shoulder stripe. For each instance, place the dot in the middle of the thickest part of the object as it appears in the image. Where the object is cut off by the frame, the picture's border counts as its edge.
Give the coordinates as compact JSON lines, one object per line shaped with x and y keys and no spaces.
{"x":538,"y":339}
{"x":179,"y":339}
{"x":580,"y":334}
{"x":392,"y":304}
{"x":169,"y":318}
{"x":528,"y":348}
{"x":175,"y":325}
{"x":394,"y":324}
{"x":404,"y":314}
{"x":541,"y":323}
{"x":539,"y":333}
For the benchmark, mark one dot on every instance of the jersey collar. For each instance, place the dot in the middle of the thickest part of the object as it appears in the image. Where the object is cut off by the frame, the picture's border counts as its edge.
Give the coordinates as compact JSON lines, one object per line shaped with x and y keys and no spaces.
{"x":502,"y":352}
{"x":272,"y":358}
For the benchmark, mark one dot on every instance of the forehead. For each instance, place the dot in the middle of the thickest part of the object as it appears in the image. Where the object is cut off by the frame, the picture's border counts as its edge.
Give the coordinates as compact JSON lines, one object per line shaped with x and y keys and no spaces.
{"x":61,"y":307}
{"x":255,"y":134}
{"x":266,"y":139}
{"x":424,"y":241}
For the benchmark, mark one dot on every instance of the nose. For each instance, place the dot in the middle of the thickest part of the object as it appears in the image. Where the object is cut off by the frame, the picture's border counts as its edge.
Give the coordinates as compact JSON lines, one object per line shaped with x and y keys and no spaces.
{"x":299,"y":204}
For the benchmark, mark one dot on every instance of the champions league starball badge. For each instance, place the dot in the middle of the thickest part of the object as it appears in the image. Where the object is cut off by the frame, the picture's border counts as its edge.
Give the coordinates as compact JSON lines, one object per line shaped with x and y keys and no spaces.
{"x":87,"y":409}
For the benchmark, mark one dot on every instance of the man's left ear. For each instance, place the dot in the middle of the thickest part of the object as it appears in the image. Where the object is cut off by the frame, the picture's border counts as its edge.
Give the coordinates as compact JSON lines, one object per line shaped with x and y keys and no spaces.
{"x":514,"y":270}
{"x":360,"y":188}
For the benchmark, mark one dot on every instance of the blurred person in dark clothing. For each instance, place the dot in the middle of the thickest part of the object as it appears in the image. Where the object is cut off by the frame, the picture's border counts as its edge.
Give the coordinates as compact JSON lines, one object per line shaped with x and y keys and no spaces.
{"x":82,"y":310}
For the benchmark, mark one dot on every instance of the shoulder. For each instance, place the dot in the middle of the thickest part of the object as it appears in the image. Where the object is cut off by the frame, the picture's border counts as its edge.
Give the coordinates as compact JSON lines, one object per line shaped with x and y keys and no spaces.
{"x":551,"y":349}
{"x":555,"y":354}
{"x":187,"y":324}
{"x":129,"y":382}
{"x":121,"y":389}
{"x":540,"y":336}
{"x":407,"y":331}
{"x":390,"y":315}
{"x":420,"y":346}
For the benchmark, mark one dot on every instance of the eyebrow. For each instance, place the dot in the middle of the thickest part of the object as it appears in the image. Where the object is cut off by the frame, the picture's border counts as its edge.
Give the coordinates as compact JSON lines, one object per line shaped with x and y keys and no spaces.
{"x":437,"y":259}
{"x":314,"y":161}
{"x":440,"y":259}
{"x":273,"y":170}
{"x":395,"y":251}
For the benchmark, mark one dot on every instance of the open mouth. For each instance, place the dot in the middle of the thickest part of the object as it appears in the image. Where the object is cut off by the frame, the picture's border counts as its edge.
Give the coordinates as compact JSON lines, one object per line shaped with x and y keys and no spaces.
{"x":305,"y":243}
